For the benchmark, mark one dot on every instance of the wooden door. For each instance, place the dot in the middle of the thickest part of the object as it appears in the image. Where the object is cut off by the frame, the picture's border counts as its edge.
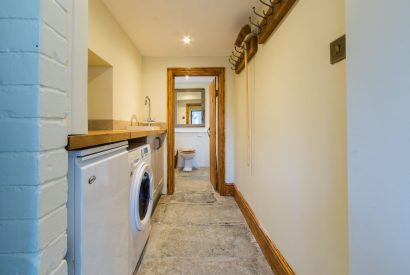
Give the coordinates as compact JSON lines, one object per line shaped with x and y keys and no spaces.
{"x":212,"y":133}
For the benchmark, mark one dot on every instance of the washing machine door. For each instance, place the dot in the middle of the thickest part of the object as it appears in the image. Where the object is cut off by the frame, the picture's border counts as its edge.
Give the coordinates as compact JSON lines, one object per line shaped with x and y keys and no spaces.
{"x":141,"y":196}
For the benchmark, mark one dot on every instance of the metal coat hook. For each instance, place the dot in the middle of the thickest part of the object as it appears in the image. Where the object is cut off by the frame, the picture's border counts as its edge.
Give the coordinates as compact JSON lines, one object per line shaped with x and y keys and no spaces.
{"x":232,"y":62}
{"x":240,"y":56}
{"x":258,"y":14}
{"x":239,"y":52}
{"x":259,"y":27}
{"x":233,"y":59}
{"x":270,"y":5}
{"x":264,"y":12}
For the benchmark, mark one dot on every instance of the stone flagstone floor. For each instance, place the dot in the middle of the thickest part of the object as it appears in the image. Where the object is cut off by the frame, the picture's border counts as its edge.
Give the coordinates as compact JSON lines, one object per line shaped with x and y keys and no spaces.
{"x":196,"y":231}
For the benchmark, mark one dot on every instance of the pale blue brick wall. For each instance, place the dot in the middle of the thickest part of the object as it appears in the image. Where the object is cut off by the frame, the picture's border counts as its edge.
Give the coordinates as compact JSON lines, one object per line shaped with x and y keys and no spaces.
{"x":34,"y":53}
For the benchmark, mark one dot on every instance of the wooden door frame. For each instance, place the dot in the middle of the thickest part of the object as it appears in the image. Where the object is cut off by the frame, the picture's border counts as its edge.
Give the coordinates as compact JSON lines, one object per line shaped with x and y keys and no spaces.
{"x":209,"y":71}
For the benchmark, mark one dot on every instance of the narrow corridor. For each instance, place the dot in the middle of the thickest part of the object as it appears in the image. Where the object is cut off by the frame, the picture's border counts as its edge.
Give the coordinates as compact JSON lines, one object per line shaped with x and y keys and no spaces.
{"x":196,"y":231}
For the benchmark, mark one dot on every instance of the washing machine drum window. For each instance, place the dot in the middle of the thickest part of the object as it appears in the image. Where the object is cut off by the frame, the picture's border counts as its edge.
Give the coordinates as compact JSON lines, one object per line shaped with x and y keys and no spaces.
{"x":141,"y":196}
{"x":144,"y":195}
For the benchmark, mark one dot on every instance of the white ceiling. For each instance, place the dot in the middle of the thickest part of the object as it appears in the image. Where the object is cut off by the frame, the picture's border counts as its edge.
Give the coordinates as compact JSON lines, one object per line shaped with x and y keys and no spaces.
{"x":157,"y":27}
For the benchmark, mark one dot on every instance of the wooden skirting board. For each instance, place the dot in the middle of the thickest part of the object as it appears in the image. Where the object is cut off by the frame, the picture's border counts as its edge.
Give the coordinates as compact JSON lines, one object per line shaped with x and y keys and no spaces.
{"x":272,"y":254}
{"x":229,"y":189}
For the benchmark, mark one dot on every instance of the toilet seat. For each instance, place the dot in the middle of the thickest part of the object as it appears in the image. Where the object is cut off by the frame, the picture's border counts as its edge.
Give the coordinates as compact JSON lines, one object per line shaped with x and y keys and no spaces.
{"x":188,"y":150}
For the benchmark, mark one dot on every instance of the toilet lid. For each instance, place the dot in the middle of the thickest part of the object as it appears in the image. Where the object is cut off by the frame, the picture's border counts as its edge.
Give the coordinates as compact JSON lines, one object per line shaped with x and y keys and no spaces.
{"x":188,"y":150}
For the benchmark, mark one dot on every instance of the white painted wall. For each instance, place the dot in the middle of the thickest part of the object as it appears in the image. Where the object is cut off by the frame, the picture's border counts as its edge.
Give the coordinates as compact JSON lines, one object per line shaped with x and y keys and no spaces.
{"x":109,"y":41}
{"x":77,"y":80}
{"x":378,"y":89}
{"x":199,"y":141}
{"x":34,"y":83}
{"x":155,"y":85}
{"x":298,"y":184}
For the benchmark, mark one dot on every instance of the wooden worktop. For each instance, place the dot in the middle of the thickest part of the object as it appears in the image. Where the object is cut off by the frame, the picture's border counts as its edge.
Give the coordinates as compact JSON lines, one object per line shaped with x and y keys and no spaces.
{"x":94,"y":138}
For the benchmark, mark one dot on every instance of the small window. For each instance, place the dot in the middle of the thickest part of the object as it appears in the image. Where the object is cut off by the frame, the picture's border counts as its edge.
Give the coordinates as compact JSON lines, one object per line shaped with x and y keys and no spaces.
{"x":196,"y":117}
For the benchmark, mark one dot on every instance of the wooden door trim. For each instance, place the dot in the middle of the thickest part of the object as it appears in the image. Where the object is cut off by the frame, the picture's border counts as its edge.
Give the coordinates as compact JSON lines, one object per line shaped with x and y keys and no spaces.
{"x":211,"y":71}
{"x":213,"y":173}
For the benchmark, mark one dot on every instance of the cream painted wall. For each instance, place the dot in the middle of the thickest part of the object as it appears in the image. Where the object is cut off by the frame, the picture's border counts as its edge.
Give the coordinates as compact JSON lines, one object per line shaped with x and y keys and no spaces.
{"x":100,"y":92}
{"x":378,"y":89}
{"x":108,"y":40}
{"x":155,"y":85}
{"x":297,"y":185}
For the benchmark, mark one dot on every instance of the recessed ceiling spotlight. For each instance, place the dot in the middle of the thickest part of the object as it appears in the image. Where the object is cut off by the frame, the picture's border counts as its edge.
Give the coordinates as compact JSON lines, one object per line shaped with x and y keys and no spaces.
{"x":187,"y":76}
{"x":187,"y":40}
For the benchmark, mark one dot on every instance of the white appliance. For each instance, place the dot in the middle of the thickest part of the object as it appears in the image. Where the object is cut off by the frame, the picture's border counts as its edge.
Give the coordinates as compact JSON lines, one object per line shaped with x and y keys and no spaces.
{"x":98,"y":192}
{"x":140,"y":203}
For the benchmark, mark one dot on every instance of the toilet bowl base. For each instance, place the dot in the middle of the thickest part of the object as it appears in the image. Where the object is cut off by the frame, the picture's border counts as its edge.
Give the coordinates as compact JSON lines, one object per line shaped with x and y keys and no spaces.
{"x":187,"y":165}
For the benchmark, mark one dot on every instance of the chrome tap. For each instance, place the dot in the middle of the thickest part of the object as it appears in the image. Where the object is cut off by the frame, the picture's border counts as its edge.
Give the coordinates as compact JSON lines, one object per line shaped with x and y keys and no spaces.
{"x":148,"y":101}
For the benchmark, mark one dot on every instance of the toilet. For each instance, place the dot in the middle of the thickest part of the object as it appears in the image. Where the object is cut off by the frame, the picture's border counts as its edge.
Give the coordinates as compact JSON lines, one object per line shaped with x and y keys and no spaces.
{"x":187,"y":155}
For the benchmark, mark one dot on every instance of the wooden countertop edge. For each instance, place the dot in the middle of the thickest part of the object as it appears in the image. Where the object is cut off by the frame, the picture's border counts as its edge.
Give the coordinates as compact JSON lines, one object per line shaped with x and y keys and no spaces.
{"x":94,"y":138}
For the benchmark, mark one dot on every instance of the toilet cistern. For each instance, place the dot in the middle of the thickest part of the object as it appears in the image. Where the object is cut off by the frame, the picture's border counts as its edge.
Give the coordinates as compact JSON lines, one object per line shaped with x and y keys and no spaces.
{"x":148,"y":101}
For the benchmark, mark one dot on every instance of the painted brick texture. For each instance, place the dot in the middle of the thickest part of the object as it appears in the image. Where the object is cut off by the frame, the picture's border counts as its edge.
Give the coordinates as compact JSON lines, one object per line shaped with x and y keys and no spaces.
{"x":34,"y":73}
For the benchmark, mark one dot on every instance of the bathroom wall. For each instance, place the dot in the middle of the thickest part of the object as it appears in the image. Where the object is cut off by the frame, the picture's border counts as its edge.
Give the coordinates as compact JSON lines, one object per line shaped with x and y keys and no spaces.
{"x":297,"y":181}
{"x":378,"y":89}
{"x":109,"y":41}
{"x":155,"y":85}
{"x":195,"y":137}
{"x":34,"y":86}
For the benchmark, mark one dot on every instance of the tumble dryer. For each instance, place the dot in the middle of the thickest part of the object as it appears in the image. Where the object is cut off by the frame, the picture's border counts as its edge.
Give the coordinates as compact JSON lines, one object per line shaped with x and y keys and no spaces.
{"x":97,"y":210}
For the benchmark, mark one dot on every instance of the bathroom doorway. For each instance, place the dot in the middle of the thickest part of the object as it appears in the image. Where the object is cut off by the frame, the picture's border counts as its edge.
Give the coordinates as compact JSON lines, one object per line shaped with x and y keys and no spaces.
{"x":194,"y":115}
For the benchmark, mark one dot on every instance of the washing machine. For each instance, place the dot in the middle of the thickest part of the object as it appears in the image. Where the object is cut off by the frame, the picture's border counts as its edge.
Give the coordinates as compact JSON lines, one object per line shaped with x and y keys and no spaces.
{"x":141,"y":202}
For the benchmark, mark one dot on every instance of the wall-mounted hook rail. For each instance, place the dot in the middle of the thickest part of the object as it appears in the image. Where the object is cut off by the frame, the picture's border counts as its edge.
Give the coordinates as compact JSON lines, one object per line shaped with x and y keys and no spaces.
{"x":276,"y":12}
{"x":242,"y":34}
{"x":245,"y":46}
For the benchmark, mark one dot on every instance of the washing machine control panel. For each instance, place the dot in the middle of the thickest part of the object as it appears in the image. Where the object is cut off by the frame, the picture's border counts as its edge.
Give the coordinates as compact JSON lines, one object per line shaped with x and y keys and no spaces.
{"x":145,"y":151}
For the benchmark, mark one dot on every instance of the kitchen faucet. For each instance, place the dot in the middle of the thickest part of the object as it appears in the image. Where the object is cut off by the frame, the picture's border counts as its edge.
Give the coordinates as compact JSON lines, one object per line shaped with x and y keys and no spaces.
{"x":148,"y":101}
